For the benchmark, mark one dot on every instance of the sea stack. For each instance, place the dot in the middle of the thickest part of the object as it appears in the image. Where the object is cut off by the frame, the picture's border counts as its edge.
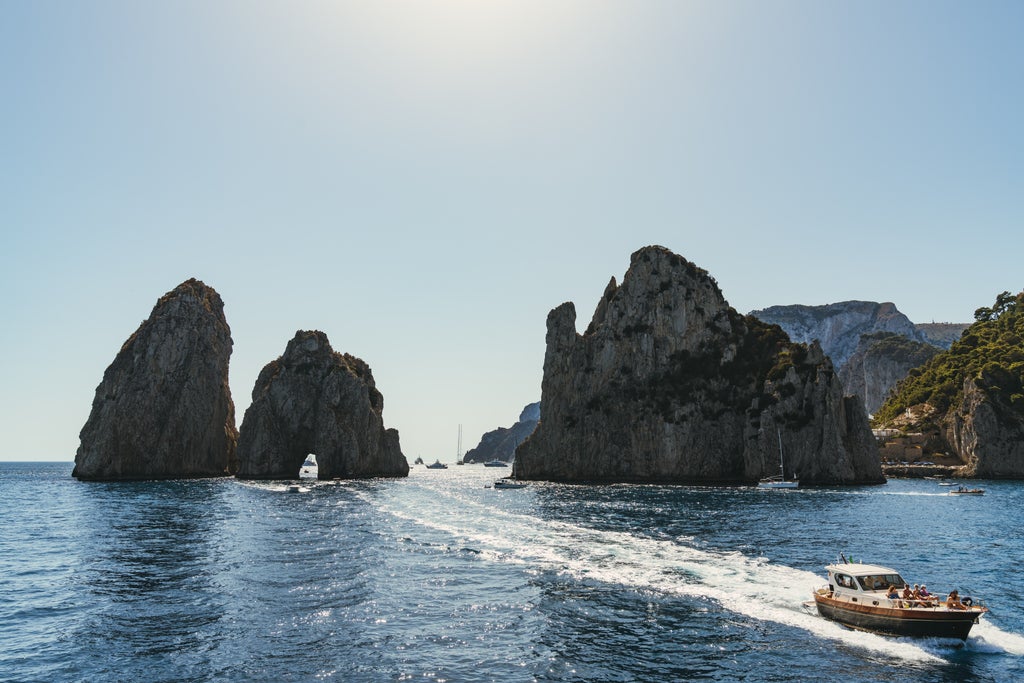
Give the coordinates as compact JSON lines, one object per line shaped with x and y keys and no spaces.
{"x":670,"y":384}
{"x":315,"y":400}
{"x":164,"y":408}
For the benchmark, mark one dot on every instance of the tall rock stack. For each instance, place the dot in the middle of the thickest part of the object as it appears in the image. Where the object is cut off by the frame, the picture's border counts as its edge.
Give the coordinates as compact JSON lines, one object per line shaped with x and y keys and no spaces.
{"x":316,"y":400}
{"x":670,"y":384}
{"x":164,"y":408}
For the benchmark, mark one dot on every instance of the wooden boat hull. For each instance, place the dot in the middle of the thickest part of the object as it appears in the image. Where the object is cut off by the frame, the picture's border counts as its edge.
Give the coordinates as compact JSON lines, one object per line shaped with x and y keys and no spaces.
{"x":929,"y":622}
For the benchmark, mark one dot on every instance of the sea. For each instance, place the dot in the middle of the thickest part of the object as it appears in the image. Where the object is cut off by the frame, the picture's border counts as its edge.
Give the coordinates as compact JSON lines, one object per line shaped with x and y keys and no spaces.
{"x":441,"y":577}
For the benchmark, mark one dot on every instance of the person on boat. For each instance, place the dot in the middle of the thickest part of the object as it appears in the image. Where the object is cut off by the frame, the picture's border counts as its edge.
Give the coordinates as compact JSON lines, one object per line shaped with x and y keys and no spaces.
{"x":908,"y":595}
{"x":926,"y":597}
{"x":893,"y":593}
{"x":953,"y":601}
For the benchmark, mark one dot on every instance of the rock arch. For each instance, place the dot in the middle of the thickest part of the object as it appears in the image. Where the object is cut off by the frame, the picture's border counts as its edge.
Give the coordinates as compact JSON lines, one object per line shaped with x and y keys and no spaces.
{"x":315,"y":400}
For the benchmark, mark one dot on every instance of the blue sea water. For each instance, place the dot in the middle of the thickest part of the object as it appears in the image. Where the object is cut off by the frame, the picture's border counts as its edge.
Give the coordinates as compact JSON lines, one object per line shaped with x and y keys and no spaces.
{"x":437,"y":578}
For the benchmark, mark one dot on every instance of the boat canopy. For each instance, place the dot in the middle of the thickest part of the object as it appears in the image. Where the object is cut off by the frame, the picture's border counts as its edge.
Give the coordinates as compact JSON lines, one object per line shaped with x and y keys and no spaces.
{"x":870,"y":577}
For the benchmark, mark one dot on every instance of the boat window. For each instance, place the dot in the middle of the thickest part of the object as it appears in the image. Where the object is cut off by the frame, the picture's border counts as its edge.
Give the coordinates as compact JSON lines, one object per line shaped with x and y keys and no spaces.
{"x":880,"y":582}
{"x":844,"y":580}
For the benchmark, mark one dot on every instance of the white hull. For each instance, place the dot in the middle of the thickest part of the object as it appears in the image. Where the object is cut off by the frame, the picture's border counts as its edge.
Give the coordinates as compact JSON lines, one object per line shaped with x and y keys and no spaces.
{"x":778,"y":484}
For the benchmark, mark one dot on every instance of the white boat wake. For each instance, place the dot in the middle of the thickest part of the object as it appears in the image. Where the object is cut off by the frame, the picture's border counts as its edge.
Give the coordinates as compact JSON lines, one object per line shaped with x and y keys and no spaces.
{"x":749,"y":586}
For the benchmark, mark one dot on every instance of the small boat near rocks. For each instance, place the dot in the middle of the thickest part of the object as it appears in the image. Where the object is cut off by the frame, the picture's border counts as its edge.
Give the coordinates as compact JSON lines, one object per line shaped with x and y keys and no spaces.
{"x":856,"y":596}
{"x":779,"y":481}
{"x":495,"y":463}
{"x":509,"y":484}
{"x":963,"y":491}
{"x":438,"y":465}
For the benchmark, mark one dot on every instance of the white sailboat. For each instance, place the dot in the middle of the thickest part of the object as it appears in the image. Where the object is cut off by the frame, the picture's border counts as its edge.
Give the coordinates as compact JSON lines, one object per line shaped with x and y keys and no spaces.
{"x":779,"y":481}
{"x":458,"y":449}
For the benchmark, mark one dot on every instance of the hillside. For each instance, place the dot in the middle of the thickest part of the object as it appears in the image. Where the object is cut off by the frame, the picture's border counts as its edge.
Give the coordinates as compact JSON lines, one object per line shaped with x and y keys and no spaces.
{"x":971,"y":397}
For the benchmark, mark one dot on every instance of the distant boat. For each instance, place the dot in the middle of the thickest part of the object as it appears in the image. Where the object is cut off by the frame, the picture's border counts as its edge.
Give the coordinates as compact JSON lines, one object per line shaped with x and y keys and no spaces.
{"x":961,"y":491}
{"x":458,"y":450}
{"x":418,"y":461}
{"x":495,"y":463}
{"x":438,"y":465}
{"x":509,"y":484}
{"x":294,"y":488}
{"x":779,"y":481}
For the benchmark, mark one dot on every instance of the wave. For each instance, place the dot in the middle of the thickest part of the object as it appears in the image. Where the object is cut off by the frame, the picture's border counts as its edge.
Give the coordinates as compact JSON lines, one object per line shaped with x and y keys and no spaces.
{"x":750,"y":586}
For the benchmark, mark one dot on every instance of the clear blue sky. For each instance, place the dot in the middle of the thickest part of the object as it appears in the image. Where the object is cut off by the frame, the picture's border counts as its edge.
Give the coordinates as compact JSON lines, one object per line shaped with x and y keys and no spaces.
{"x":424,"y":181}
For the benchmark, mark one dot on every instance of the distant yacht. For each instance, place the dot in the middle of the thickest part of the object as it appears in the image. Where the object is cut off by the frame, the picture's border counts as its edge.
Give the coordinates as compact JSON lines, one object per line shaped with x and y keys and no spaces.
{"x":438,"y":465}
{"x":495,"y":463}
{"x":509,"y":484}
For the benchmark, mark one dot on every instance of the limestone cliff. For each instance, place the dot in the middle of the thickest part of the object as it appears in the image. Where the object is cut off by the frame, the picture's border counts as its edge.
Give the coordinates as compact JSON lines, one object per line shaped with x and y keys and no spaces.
{"x":671,"y":384}
{"x":880,"y":360}
{"x":163,"y":409}
{"x":839,"y":326}
{"x":969,"y":401}
{"x":315,"y":400}
{"x":501,"y":443}
{"x":988,"y":437}
{"x":941,"y":335}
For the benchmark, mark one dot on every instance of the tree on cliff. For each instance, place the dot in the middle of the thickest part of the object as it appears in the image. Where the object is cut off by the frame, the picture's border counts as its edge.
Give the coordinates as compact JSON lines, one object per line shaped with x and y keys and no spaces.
{"x":990,"y":353}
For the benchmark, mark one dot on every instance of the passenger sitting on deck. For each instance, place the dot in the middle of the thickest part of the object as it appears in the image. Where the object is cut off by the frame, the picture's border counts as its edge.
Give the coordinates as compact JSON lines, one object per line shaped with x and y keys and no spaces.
{"x":893,"y":593}
{"x":953,"y":601}
{"x":908,"y":594}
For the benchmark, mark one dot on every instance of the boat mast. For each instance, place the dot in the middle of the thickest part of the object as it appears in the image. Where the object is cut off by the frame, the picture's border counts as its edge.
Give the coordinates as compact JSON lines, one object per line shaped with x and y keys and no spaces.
{"x":458,"y":450}
{"x":782,"y":465}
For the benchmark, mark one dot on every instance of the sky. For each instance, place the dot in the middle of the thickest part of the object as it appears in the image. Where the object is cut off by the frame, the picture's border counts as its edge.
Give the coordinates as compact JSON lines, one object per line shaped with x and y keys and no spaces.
{"x":425,"y":180}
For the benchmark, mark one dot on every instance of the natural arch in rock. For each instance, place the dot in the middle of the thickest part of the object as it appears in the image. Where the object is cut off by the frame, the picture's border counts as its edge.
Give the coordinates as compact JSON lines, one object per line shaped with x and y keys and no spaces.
{"x":314,"y":400}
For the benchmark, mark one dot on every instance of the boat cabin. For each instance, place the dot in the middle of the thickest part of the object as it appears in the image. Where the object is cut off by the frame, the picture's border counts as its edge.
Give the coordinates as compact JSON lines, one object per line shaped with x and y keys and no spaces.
{"x":851,"y":579}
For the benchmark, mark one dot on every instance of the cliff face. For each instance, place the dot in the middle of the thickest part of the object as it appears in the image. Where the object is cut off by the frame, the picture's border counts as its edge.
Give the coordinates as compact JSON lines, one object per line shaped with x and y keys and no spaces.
{"x":969,"y":400}
{"x":989,"y":438}
{"x":669,"y":383}
{"x":941,"y":335}
{"x":501,"y":443}
{"x":838,"y":327}
{"x":164,"y":408}
{"x":880,"y":361}
{"x":315,"y":400}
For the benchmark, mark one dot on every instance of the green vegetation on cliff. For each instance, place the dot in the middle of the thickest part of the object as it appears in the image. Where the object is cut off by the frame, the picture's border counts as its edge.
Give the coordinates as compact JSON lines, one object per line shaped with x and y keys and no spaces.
{"x":991,"y":351}
{"x":898,"y":348}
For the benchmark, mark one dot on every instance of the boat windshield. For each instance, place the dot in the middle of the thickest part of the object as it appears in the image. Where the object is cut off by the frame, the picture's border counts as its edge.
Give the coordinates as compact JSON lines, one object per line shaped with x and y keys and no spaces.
{"x":880,"y":582}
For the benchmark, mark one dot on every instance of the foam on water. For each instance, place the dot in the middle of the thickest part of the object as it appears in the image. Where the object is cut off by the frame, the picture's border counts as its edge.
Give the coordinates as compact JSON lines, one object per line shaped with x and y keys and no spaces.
{"x":750,"y":586}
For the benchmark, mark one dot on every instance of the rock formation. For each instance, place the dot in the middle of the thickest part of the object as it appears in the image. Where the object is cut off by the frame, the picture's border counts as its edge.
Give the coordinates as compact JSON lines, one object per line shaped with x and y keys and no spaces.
{"x":880,"y":360}
{"x":838,"y":327}
{"x":968,"y":402}
{"x":316,"y":400}
{"x":501,"y":443}
{"x":670,"y":384}
{"x":941,"y":335}
{"x":988,"y":437}
{"x":164,"y":409}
